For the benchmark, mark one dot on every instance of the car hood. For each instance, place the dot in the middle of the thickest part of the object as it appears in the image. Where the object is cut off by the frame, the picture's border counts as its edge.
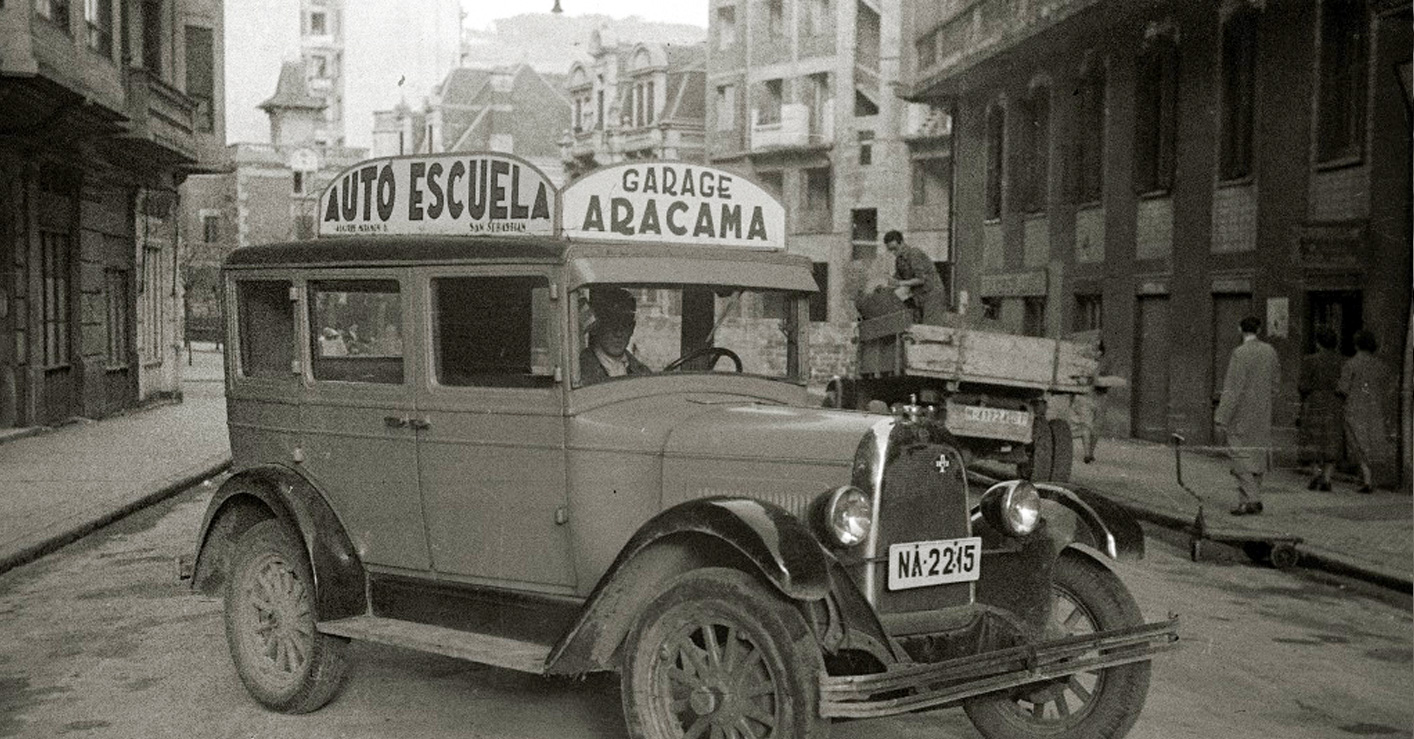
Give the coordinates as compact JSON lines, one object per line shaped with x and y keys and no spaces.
{"x":751,"y":431}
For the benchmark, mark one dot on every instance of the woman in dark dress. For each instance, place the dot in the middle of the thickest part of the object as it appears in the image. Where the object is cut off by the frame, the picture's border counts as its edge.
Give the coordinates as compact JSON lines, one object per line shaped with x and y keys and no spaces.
{"x":1321,"y":412}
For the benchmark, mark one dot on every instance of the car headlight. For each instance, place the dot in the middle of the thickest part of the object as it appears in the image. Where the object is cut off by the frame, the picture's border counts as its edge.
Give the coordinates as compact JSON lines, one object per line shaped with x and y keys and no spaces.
{"x":846,"y":516}
{"x":1012,"y":507}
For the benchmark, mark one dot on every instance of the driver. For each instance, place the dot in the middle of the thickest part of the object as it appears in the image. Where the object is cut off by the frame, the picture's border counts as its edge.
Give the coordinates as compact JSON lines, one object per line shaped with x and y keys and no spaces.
{"x":607,"y":354}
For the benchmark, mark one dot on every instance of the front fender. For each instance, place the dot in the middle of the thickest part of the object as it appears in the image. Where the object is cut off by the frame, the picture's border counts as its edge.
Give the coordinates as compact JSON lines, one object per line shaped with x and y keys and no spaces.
{"x":1100,"y":524}
{"x":273,"y":491}
{"x":708,"y":532}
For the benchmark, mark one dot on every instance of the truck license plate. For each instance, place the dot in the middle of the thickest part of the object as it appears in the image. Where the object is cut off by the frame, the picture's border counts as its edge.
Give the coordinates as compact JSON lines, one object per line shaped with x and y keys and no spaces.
{"x":996,"y":415}
{"x":918,"y":564}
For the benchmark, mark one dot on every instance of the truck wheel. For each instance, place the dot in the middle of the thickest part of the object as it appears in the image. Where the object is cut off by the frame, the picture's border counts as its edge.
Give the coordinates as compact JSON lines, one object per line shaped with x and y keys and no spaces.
{"x":284,"y":662}
{"x":718,"y":654}
{"x":1089,"y":705}
{"x":1038,"y":466}
{"x":1062,"y":450}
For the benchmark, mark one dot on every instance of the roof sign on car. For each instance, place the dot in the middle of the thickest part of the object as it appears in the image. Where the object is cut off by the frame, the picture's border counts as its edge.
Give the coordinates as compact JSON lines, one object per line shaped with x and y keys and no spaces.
{"x":444,"y":194}
{"x":674,"y":202}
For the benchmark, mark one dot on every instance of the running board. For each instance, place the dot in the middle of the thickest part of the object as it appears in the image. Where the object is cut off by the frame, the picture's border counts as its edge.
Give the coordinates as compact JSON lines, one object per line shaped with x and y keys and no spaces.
{"x":490,"y":650}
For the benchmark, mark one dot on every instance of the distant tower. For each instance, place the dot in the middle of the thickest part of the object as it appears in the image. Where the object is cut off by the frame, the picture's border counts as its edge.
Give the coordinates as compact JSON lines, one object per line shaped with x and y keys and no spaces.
{"x":296,"y":116}
{"x":322,"y":49}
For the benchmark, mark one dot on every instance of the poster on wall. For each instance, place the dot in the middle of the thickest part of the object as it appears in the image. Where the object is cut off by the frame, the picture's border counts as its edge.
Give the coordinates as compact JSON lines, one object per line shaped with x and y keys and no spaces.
{"x":1278,"y":318}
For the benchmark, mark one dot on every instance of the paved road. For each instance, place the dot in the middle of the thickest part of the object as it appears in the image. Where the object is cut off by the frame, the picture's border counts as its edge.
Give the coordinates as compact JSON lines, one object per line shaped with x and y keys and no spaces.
{"x":98,"y":640}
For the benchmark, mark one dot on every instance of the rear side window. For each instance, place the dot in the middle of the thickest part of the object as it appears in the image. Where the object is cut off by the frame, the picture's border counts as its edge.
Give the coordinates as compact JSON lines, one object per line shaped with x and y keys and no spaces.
{"x":492,"y":331}
{"x":266,"y":323}
{"x":355,"y":330}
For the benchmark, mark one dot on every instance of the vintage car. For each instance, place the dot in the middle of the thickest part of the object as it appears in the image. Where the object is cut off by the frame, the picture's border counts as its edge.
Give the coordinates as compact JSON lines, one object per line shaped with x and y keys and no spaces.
{"x":435,"y":448}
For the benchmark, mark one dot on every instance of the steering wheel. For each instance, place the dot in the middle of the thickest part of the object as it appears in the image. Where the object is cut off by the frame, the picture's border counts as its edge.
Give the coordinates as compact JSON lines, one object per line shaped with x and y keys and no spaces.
{"x":715,"y":352}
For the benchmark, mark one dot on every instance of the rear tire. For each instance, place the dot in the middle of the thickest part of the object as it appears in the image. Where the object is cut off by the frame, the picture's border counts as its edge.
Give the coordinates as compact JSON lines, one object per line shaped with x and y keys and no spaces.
{"x":1089,"y":705}
{"x":285,"y":663}
{"x":1038,"y":466}
{"x":720,"y":654}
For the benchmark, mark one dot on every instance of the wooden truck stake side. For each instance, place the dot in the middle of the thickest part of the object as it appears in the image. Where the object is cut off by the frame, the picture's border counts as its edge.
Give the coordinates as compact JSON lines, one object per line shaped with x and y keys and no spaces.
{"x":989,"y":388}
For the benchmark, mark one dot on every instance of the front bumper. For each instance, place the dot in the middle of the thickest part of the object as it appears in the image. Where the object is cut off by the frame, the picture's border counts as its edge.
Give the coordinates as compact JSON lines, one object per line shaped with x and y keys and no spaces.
{"x":905,"y":688}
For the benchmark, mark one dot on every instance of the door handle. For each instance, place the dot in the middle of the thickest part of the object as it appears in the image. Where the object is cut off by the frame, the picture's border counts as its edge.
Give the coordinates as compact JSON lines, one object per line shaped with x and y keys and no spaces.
{"x":420,"y":423}
{"x":394,"y":422}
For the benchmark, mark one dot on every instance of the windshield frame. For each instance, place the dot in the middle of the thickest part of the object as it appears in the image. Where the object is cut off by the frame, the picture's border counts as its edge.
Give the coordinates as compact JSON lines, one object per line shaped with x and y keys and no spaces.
{"x":794,"y":328}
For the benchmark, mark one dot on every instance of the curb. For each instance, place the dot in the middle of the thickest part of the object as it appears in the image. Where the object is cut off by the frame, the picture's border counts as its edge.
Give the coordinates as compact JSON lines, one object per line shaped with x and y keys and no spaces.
{"x":1324,"y":559}
{"x":165,"y":489}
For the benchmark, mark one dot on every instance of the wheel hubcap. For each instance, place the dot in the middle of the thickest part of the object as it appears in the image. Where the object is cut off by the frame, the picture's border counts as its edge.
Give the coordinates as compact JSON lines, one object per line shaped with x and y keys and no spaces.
{"x":278,"y":617}
{"x":713,"y":680}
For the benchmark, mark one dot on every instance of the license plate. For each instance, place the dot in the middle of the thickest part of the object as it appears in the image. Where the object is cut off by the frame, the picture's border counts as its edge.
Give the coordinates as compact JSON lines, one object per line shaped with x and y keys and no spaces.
{"x":918,"y":564}
{"x":996,"y":415}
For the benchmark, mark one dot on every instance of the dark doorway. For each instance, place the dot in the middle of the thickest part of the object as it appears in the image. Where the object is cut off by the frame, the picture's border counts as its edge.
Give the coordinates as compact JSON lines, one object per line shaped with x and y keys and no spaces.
{"x":1341,"y":310}
{"x":1151,"y":368}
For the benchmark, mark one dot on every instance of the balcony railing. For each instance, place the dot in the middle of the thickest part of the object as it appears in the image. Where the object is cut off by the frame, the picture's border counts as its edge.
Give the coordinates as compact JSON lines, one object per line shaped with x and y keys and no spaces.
{"x":992,"y":26}
{"x":796,"y":129}
{"x":160,"y":114}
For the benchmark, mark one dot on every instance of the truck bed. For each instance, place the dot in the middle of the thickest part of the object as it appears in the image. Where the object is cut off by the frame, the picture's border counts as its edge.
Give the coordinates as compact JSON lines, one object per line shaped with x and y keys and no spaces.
{"x":893,"y":346}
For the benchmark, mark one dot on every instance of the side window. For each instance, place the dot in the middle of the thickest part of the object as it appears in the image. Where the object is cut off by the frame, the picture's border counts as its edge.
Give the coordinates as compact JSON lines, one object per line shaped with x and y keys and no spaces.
{"x":355,"y":330}
{"x":492,"y":332}
{"x":265,"y":321}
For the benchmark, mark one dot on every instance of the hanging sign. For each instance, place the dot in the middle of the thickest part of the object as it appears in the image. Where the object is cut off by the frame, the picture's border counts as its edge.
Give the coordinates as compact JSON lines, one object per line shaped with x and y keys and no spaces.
{"x":445,"y":194}
{"x":674,"y":202}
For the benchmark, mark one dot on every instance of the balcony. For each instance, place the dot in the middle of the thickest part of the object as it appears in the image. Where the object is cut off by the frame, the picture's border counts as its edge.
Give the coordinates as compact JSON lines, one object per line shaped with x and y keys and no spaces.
{"x":639,"y":139}
{"x":923,"y":123}
{"x":797,"y":129}
{"x":984,"y":29}
{"x":161,"y":117}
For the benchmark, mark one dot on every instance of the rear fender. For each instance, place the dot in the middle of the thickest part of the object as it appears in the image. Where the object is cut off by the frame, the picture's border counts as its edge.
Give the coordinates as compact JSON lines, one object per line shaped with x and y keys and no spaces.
{"x":271,"y":491}
{"x":745,"y":534}
{"x":1100,"y":524}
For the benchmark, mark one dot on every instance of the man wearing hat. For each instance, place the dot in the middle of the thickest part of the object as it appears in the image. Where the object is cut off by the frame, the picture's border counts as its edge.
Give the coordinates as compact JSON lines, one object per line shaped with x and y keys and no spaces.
{"x":610,"y":329}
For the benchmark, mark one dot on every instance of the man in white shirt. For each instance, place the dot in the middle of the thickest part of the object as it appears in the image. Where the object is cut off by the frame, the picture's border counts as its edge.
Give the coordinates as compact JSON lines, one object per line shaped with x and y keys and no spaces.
{"x":607,"y":354}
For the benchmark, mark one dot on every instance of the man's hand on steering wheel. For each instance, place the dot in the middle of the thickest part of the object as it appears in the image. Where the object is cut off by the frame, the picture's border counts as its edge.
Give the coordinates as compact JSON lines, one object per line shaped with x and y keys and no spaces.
{"x":715,"y":352}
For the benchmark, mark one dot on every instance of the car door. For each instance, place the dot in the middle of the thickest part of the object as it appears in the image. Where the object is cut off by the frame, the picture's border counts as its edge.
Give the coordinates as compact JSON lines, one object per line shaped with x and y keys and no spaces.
{"x":492,"y":427}
{"x":360,"y":447}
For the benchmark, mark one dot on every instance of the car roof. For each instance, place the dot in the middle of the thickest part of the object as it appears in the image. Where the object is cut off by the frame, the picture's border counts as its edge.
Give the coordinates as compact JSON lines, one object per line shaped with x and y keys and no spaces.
{"x":385,"y":250}
{"x":345,"y":251}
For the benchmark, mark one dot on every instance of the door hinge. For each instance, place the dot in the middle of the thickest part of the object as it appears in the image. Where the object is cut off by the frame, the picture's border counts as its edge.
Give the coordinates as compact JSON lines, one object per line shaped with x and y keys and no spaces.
{"x":562,"y":516}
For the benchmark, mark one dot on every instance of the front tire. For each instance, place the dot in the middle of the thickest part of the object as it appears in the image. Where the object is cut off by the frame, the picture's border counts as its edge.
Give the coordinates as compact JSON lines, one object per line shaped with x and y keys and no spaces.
{"x":1103,"y":704}
{"x":284,"y":662}
{"x":719,"y":654}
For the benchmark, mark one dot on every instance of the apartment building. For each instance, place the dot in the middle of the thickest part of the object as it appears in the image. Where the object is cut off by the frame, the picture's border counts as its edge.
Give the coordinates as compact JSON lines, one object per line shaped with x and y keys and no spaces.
{"x":511,"y":109}
{"x":1156,"y":171}
{"x":359,"y":56}
{"x":270,"y":193}
{"x":800,"y":96}
{"x":108,"y":107}
{"x":633,"y":101}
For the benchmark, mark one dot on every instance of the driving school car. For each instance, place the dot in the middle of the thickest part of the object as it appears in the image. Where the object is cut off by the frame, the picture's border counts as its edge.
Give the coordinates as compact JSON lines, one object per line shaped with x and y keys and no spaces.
{"x":422,"y":460}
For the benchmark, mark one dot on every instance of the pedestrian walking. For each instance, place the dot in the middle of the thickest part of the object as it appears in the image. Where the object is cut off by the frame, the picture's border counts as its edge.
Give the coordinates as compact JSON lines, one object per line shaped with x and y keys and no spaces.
{"x":1244,"y":414}
{"x":1088,"y":409}
{"x":915,"y":273}
{"x":1368,"y":389}
{"x":1322,"y":419}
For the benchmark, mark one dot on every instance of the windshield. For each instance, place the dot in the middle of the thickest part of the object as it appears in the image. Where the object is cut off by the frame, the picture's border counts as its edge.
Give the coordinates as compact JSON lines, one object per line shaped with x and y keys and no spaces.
{"x":631,"y":330}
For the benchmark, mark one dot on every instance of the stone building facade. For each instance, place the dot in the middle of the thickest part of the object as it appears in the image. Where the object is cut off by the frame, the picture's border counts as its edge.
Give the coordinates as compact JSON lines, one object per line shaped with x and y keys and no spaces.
{"x":1155,"y":171}
{"x":800,"y":97}
{"x":633,"y":101}
{"x":108,"y":108}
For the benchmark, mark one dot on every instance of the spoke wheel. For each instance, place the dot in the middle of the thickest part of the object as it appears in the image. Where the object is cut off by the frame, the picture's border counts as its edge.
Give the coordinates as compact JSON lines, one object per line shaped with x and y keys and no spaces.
{"x":718,"y":656}
{"x":283,"y":661}
{"x":1098,"y":704}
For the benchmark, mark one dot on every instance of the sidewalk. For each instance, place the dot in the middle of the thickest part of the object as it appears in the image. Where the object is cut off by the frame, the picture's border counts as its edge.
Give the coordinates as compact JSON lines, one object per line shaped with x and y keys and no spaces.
{"x":1370,"y":535}
{"x":59,"y":484}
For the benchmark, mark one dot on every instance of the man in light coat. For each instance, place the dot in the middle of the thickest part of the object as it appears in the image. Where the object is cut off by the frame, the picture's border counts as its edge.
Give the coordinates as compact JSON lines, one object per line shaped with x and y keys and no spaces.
{"x":1244,"y":414}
